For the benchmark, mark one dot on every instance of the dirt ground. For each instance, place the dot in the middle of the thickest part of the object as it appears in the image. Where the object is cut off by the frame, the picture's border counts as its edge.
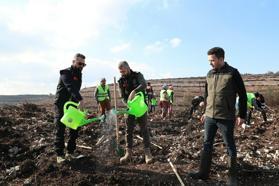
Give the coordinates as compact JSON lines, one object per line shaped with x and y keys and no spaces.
{"x":28,"y":158}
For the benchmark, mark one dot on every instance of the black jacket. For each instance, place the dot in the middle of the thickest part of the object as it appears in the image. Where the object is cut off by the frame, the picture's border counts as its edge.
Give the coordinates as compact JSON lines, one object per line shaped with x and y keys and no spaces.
{"x":133,"y":81}
{"x":69,"y":86}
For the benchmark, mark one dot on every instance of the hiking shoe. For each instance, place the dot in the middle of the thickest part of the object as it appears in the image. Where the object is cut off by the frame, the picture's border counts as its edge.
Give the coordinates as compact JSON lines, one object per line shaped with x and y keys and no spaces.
{"x":127,"y":157}
{"x":60,"y":159}
{"x":71,"y":156}
{"x":148,"y":156}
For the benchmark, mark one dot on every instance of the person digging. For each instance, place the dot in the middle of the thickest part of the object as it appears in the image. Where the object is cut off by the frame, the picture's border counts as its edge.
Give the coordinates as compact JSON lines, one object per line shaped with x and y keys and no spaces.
{"x":131,"y":83}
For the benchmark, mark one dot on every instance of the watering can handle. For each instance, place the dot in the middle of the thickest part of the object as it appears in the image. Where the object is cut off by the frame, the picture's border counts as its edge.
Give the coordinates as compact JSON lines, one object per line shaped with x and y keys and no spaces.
{"x":68,"y":104}
{"x":139,"y":93}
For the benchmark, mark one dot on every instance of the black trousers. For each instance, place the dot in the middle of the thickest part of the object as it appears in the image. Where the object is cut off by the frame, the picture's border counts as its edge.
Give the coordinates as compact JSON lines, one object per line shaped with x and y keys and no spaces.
{"x":60,"y":133}
{"x":194,"y":107}
{"x":130,"y":125}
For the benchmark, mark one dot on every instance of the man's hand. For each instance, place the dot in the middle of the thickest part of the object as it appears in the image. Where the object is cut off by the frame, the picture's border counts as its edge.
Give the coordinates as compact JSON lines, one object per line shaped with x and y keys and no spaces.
{"x":81,"y":105}
{"x":132,"y":95}
{"x":239,"y":121}
{"x":202,"y":119}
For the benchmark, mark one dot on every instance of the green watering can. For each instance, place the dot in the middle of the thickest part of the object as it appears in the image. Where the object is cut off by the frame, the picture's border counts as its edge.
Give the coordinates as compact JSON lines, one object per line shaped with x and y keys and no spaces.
{"x":74,"y":118}
{"x":136,"y":106}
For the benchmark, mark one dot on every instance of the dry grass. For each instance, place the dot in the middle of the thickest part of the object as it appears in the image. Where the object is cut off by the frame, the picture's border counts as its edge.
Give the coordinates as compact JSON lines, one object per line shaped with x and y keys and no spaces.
{"x":272,"y":96}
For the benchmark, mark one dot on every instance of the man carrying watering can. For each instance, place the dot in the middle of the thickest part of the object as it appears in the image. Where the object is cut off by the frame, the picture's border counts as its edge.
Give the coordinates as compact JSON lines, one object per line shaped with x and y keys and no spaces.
{"x":68,"y":89}
{"x":130,"y":84}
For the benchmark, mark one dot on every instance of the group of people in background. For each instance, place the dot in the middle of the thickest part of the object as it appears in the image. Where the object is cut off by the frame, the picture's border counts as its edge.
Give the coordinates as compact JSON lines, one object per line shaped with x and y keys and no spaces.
{"x":166,"y":101}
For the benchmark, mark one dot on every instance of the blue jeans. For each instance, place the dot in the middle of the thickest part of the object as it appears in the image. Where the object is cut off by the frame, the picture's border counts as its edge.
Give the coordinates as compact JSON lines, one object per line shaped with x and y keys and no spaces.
{"x":227,"y":129}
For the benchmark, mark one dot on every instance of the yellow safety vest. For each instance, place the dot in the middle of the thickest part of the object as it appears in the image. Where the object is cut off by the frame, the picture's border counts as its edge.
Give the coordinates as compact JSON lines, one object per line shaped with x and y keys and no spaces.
{"x":103,"y":93}
{"x":169,"y":91}
{"x":250,"y":97}
{"x":163,"y":96}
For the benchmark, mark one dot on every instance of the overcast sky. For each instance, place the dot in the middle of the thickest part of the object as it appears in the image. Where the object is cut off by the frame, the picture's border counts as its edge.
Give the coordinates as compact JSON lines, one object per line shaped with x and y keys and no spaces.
{"x":160,"y":38}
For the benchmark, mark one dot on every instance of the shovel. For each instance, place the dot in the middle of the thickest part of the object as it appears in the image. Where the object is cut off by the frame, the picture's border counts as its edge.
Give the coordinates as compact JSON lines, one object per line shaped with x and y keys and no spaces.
{"x":115,"y":143}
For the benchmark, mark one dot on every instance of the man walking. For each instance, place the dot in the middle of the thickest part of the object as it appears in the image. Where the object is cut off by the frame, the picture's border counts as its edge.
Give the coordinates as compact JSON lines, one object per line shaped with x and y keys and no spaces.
{"x":68,"y":89}
{"x":223,"y":83}
{"x":102,"y":96}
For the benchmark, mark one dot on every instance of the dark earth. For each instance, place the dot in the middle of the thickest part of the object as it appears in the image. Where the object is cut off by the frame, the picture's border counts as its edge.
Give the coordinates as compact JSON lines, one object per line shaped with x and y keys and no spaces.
{"x":28,"y":158}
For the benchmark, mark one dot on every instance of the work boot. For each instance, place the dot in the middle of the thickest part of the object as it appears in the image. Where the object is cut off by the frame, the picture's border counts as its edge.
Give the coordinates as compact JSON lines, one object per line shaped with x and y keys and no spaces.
{"x":127,"y":157}
{"x":205,"y":165}
{"x":232,"y":178}
{"x":148,"y":156}
{"x":60,"y":159}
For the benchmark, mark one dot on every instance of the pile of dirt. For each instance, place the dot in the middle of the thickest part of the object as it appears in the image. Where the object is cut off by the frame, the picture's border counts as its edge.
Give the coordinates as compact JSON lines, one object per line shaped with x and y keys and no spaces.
{"x":27,"y":157}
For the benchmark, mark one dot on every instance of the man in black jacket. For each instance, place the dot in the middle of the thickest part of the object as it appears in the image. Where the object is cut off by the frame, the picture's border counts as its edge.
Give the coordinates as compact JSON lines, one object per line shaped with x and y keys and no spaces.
{"x":223,"y":84}
{"x":131,"y":83}
{"x":68,"y":89}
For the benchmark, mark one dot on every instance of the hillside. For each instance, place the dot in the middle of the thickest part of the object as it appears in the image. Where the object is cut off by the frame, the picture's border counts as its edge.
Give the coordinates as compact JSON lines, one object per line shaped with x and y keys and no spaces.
{"x":15,"y":99}
{"x":186,"y":88}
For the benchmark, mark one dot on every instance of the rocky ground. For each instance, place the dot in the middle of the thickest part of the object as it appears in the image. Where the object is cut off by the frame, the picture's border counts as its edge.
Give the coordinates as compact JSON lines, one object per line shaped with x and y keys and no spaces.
{"x":28,"y":158}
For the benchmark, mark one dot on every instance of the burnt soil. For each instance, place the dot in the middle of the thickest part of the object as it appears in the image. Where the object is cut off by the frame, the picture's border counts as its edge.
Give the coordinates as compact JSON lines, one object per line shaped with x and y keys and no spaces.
{"x":27,"y":155}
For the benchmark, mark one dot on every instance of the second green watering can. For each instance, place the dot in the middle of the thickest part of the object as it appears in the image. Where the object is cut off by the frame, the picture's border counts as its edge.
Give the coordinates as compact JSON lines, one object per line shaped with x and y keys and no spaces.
{"x":74,"y":118}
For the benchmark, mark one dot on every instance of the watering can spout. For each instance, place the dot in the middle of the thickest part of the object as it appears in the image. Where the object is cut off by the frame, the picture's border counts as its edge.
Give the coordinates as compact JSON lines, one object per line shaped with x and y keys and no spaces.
{"x":74,"y":118}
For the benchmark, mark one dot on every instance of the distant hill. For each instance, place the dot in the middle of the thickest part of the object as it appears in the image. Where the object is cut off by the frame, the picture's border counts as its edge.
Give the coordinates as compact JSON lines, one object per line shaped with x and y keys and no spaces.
{"x":186,"y":88}
{"x":14,"y":99}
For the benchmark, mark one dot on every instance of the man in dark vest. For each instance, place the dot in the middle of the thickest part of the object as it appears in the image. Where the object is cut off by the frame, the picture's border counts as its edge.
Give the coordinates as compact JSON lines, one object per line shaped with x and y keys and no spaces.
{"x":131,"y":83}
{"x":68,"y":90}
{"x":223,"y":84}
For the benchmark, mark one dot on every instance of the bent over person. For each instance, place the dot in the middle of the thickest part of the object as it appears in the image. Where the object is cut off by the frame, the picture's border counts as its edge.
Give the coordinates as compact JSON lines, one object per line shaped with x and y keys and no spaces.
{"x":68,"y":90}
{"x":223,"y":83}
{"x":130,"y":83}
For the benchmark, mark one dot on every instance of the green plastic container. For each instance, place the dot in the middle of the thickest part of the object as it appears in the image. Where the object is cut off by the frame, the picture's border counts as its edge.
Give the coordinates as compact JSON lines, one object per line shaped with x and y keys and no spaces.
{"x":137,"y":106}
{"x":74,"y":118}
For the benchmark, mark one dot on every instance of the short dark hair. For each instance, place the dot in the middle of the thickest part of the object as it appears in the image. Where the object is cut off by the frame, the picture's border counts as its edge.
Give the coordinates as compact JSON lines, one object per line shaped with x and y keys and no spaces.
{"x":80,"y":55}
{"x":217,"y":51}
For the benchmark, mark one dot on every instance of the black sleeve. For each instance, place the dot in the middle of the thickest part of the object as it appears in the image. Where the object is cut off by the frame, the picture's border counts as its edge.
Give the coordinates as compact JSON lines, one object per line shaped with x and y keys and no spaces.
{"x":121,"y":91}
{"x":241,"y":91}
{"x":256,"y":105}
{"x":66,"y":78}
{"x":142,"y":83}
{"x":205,"y":92}
{"x":205,"y":97}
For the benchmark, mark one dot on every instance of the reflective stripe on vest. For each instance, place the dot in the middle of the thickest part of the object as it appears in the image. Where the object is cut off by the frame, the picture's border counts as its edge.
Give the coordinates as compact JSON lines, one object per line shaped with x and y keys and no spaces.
{"x":102,"y":94}
{"x":250,"y":97}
